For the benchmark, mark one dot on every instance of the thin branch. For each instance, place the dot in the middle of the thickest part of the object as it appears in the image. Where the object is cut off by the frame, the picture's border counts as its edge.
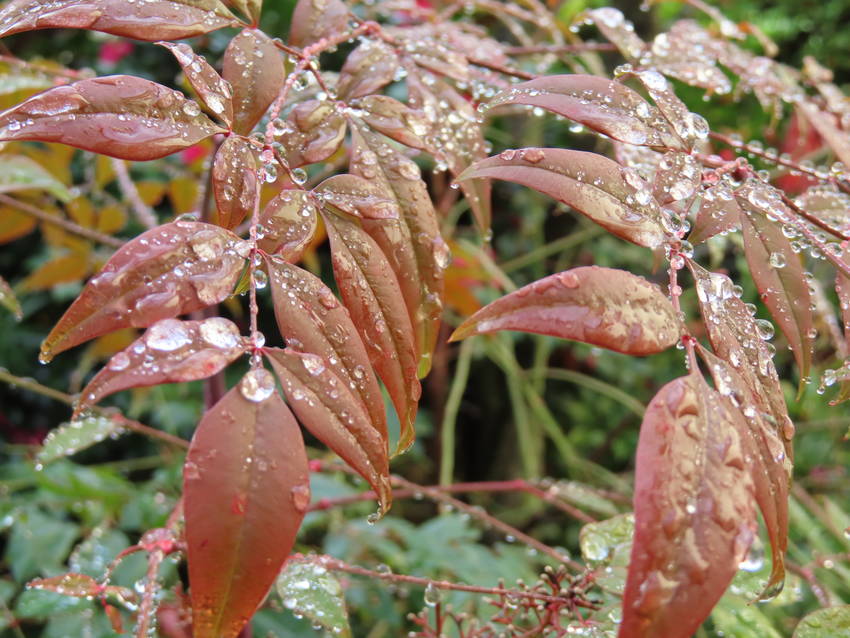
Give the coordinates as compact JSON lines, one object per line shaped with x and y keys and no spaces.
{"x":560,"y":48}
{"x":143,"y":212}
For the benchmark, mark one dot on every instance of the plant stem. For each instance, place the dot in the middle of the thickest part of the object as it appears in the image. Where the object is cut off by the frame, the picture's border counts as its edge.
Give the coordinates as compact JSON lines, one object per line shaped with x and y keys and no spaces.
{"x":447,"y":428}
{"x":552,"y":248}
{"x":591,"y":383}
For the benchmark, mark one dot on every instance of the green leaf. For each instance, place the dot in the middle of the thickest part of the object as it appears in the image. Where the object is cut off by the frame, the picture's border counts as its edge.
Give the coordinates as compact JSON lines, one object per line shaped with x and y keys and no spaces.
{"x":609,"y":543}
{"x":79,"y":434}
{"x":38,"y":543}
{"x":19,"y":173}
{"x":833,"y":622}
{"x":309,"y":589}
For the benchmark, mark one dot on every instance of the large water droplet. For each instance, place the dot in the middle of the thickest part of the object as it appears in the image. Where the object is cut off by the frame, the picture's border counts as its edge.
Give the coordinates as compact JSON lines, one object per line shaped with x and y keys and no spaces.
{"x":167,"y":335}
{"x":257,"y":385}
{"x":219,"y":332}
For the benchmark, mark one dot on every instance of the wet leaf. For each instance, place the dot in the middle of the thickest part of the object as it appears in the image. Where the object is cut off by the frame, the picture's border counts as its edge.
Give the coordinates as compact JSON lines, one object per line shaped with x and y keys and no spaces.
{"x":312,"y":319}
{"x":20,"y":76}
{"x":170,"y":351}
{"x":334,"y":414}
{"x":689,"y":127}
{"x":9,"y":301}
{"x":678,"y":177}
{"x":605,"y":307}
{"x":254,"y":67}
{"x":245,"y":492}
{"x":211,"y":88}
{"x":313,"y":132}
{"x":20,"y":173}
{"x":718,"y":213}
{"x":600,"y":104}
{"x":78,"y":585}
{"x":832,"y":622}
{"x":395,"y":120}
{"x":59,"y":270}
{"x":151,"y":20}
{"x":591,"y":184}
{"x":234,"y":180}
{"x":617,"y":30}
{"x":779,"y":276}
{"x":119,"y":115}
{"x":290,"y":221}
{"x":367,"y":69}
{"x":357,"y":196}
{"x":79,"y":434}
{"x":170,"y":270}
{"x":608,"y":543}
{"x":688,"y":53}
{"x":249,"y":8}
{"x":313,"y":20}
{"x":694,"y":516}
{"x":824,"y":123}
{"x":413,"y":245}
{"x":309,"y":589}
{"x":371,"y":292}
{"x":842,"y":289}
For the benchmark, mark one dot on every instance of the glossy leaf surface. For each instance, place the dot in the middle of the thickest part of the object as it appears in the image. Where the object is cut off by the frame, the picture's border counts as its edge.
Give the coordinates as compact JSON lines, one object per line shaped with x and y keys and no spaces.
{"x":356,"y":196}
{"x":170,"y":351}
{"x":330,"y":410}
{"x":120,"y":115}
{"x":150,"y":20}
{"x":397,"y":121}
{"x":367,"y":69}
{"x":234,"y":180}
{"x":290,"y":221}
{"x":254,"y":67}
{"x":718,"y":213}
{"x":170,"y":270}
{"x":20,"y":173}
{"x":249,"y":8}
{"x":592,"y":184}
{"x":321,"y":600}
{"x":79,"y":434}
{"x":694,"y":516}
{"x":313,"y":20}
{"x":605,"y":307}
{"x":832,"y":622}
{"x":314,"y":131}
{"x":246,"y":489}
{"x":211,"y":88}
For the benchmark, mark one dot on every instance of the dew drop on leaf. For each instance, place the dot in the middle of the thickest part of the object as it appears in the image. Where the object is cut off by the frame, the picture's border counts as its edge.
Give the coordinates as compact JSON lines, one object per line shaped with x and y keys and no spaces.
{"x":219,"y":332}
{"x":167,"y":335}
{"x":433,"y":595}
{"x":257,"y":385}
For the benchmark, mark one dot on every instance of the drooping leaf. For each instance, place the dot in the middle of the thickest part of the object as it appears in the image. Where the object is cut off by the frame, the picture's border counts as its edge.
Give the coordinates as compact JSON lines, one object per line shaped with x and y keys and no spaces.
{"x":689,"y":127}
{"x":718,"y":213}
{"x":592,"y":184}
{"x":312,"y":319}
{"x":120,"y":115}
{"x":214,"y":92}
{"x":150,"y":20}
{"x":357,"y":196}
{"x":831,"y":622}
{"x":309,"y":589}
{"x":694,"y":515}
{"x":234,"y":180}
{"x":605,"y":307}
{"x":79,"y":434}
{"x":245,"y":492}
{"x":778,"y":274}
{"x":290,"y":221}
{"x":600,"y":104}
{"x":170,"y":351}
{"x":413,"y":245}
{"x":367,"y":69}
{"x":254,"y":67}
{"x":249,"y":8}
{"x":170,"y":270}
{"x":397,"y":121}
{"x":313,"y":132}
{"x":20,"y":173}
{"x":372,"y":294}
{"x":9,"y":301}
{"x":334,"y":414}
{"x":313,"y":20}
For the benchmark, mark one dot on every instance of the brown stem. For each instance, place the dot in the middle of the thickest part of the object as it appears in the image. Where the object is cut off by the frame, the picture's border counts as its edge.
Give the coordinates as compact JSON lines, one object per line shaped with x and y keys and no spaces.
{"x":143,"y":212}
{"x":560,"y":48}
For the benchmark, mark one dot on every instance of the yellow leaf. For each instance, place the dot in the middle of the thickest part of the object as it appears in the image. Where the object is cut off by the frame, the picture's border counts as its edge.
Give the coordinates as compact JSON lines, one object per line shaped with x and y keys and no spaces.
{"x":151,"y":192}
{"x":60,"y":270}
{"x":103,"y":171}
{"x":81,"y":211}
{"x":14,"y":224}
{"x":111,"y":219}
{"x":183,"y":192}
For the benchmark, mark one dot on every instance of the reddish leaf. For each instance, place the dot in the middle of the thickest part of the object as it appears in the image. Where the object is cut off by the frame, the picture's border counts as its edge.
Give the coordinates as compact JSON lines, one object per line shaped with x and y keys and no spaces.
{"x":249,"y":8}
{"x":677,"y":178}
{"x":168,"y":271}
{"x":413,"y":244}
{"x":718,"y":213}
{"x":590,"y":183}
{"x":842,"y":289}
{"x":689,"y":127}
{"x":150,"y":20}
{"x":618,"y":31}
{"x":313,"y":132}
{"x":778,"y":274}
{"x":357,"y":196}
{"x":367,"y":69}
{"x":394,"y":119}
{"x":334,"y":414}
{"x":609,"y":308}
{"x":371,"y":292}
{"x":234,"y":180}
{"x":434,"y":52}
{"x":313,"y":20}
{"x":121,"y":116}
{"x":214,"y":92}
{"x":687,"y":52}
{"x":171,"y":351}
{"x":9,"y":301}
{"x":600,"y":104}
{"x":312,"y":320}
{"x":289,"y":221}
{"x":694,"y":515}
{"x":245,"y":491}
{"x":824,"y":123}
{"x":254,"y":67}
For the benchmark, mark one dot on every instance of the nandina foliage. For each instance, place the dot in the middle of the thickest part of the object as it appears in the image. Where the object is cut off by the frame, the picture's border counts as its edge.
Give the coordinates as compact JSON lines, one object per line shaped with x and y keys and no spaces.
{"x":710,"y":456}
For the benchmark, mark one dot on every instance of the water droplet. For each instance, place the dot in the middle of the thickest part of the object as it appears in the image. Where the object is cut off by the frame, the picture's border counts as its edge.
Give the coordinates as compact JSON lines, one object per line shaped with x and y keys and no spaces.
{"x":777,"y":260}
{"x":219,"y":332}
{"x":314,"y":364}
{"x":167,"y":335}
{"x":433,"y":595}
{"x":119,"y":362}
{"x":257,"y":385}
{"x":301,"y":497}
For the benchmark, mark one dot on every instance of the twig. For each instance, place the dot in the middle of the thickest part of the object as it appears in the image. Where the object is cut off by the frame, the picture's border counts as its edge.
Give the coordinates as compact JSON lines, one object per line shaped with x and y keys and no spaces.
{"x":447,"y":428}
{"x":142,"y":211}
{"x":560,"y":48}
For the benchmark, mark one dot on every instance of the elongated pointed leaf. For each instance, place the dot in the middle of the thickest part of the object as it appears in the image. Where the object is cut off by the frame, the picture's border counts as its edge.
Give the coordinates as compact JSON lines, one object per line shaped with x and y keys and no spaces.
{"x":314,"y":131}
{"x":677,"y":178}
{"x":249,"y":8}
{"x":290,"y":222}
{"x":312,"y":319}
{"x":824,"y":123}
{"x":20,"y":173}
{"x":371,"y":292}
{"x":334,"y":414}
{"x":254,"y":67}
{"x":694,"y":516}
{"x":214,"y":92}
{"x":170,"y":270}
{"x":718,"y":213}
{"x":120,"y":115}
{"x":79,"y":434}
{"x":605,"y":307}
{"x":71,"y":584}
{"x":170,"y":351}
{"x":617,"y":30}
{"x":234,"y":180}
{"x":357,"y":196}
{"x":321,"y":600}
{"x":313,"y":20}
{"x":397,"y":121}
{"x":592,"y":184}
{"x":600,"y":104}
{"x":689,"y":127}
{"x":150,"y":20}
{"x":9,"y":301}
{"x":779,"y":275}
{"x":245,"y":491}
{"x":413,"y":244}
{"x":367,"y":69}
